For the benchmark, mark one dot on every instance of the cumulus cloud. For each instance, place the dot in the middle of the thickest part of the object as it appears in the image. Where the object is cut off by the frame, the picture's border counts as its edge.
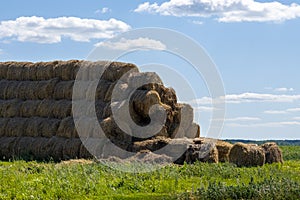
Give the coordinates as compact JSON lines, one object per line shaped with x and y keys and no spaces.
{"x":225,"y":10}
{"x":139,"y":43}
{"x":283,"y":89}
{"x":251,"y":98}
{"x":297,"y":118}
{"x":52,"y":30}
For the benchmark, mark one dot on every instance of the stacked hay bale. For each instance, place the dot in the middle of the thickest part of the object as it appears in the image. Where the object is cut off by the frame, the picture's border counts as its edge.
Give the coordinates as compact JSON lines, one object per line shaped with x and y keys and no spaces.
{"x":273,"y":153}
{"x":36,"y":116}
{"x":247,"y":155}
{"x":223,"y":150}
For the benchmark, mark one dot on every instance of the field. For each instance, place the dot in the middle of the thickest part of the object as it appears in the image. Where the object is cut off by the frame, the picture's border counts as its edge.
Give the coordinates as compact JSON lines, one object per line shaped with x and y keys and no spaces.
{"x":37,"y":180}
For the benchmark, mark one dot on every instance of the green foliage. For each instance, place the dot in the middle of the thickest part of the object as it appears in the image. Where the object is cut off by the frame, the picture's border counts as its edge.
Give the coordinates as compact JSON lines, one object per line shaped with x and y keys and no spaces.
{"x":33,"y":180}
{"x":291,"y":152}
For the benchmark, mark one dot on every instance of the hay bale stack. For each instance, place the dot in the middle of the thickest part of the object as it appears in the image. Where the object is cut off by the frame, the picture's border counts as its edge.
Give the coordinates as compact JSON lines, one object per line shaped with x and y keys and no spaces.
{"x":36,"y":108}
{"x":273,"y":153}
{"x":247,"y":155}
{"x":223,"y":150}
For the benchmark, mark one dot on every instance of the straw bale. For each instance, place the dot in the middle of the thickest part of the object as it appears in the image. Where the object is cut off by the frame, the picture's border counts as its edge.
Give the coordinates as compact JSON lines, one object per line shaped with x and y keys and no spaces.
{"x":11,"y":91}
{"x":15,"y":127}
{"x":11,"y":108}
{"x":272,"y":152}
{"x":67,"y":128}
{"x":45,"y":70}
{"x":223,"y":150}
{"x":49,"y":127}
{"x":15,"y":71}
{"x":3,"y":87}
{"x":7,"y":150}
{"x":29,"y":108}
{"x":116,"y":70}
{"x":63,"y":90}
{"x":246,"y":155}
{"x":45,"y":89}
{"x":71,"y":148}
{"x":62,"y":109}
{"x":33,"y":128}
{"x":45,"y":108}
{"x":3,"y":69}
{"x":3,"y":124}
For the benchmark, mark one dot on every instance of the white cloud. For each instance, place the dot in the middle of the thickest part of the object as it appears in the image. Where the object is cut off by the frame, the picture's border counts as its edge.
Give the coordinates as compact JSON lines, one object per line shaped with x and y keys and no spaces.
{"x":272,"y":112}
{"x":283,"y":89}
{"x":103,"y":10}
{"x":297,"y":118}
{"x":242,"y":119}
{"x":268,"y":124}
{"x":197,"y":22}
{"x":251,"y":98}
{"x":52,"y":30}
{"x":204,"y":109}
{"x":290,"y":110}
{"x":225,"y":10}
{"x":139,"y":43}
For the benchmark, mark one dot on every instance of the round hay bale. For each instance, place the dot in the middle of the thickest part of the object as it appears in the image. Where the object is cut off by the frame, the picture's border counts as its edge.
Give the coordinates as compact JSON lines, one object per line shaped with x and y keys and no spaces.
{"x":22,"y":148}
{"x":71,"y":148}
{"x":11,"y":91}
{"x":28,"y":90}
{"x":45,"y":70}
{"x":272,"y":152}
{"x":15,"y":71}
{"x":247,"y":155}
{"x":66,"y":70}
{"x":29,"y":108}
{"x":49,"y":127}
{"x":63,"y":90}
{"x":3,"y":87}
{"x":33,"y":127}
{"x":151,"y":144}
{"x":102,"y":88}
{"x":57,"y":145}
{"x":16,"y":127}
{"x":108,"y":93}
{"x":40,"y":149}
{"x":62,"y":109}
{"x":3,"y":124}
{"x":67,"y":128}
{"x":22,"y":90}
{"x":7,"y":150}
{"x":106,"y":111}
{"x":3,"y":69}
{"x":46,"y":88}
{"x":223,"y":150}
{"x":116,"y":70}
{"x":45,"y":108}
{"x":30,"y":73}
{"x":84,"y":153}
{"x":11,"y":108}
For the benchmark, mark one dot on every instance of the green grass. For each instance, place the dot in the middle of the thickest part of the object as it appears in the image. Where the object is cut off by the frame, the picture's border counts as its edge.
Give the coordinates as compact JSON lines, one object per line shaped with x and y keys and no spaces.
{"x":33,"y":180}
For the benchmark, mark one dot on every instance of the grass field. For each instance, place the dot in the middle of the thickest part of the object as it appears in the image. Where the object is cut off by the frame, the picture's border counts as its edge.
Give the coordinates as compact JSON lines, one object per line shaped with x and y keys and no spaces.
{"x":34,"y":180}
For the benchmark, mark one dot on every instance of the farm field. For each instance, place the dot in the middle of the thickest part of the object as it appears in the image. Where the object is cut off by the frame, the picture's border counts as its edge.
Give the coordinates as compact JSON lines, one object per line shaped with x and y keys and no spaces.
{"x":90,"y":180}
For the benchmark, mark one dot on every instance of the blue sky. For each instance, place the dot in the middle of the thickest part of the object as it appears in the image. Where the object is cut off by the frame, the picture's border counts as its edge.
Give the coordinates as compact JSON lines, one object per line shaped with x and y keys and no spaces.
{"x":255,"y":45}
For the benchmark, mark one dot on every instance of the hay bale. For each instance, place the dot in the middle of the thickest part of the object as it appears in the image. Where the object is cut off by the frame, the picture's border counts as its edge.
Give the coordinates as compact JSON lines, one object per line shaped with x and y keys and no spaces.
{"x":100,"y":108}
{"x":63,"y":90}
{"x":3,"y":87}
{"x":28,"y":90}
{"x":40,"y":149}
{"x":272,"y":152}
{"x":102,"y":89}
{"x":116,"y":70}
{"x":223,"y":150}
{"x":3,"y":69}
{"x":66,"y":70}
{"x":49,"y":127}
{"x":61,"y":109}
{"x":3,"y":124}
{"x":7,"y":150}
{"x":11,"y":108}
{"x":67,"y":128}
{"x":71,"y":148}
{"x":45,"y":70}
{"x":15,"y":71}
{"x":45,"y":89}
{"x":29,"y":108}
{"x":246,"y":155}
{"x":56,"y":145}
{"x":22,"y":148}
{"x":108,"y":93}
{"x":33,"y":128}
{"x":151,"y":144}
{"x":11,"y":91}
{"x":206,"y":152}
{"x":16,"y":127}
{"x":45,"y":108}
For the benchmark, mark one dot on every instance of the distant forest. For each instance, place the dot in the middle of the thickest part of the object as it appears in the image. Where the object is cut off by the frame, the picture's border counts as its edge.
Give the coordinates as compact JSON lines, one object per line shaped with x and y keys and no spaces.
{"x":279,"y":142}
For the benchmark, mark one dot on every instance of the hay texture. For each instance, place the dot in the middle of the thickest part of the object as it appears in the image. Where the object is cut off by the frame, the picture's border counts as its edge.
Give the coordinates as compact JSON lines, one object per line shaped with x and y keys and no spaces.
{"x":247,"y":155}
{"x":223,"y":150}
{"x":273,"y":153}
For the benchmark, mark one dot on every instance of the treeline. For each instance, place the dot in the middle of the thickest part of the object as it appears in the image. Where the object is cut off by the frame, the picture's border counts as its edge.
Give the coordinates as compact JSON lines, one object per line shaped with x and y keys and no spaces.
{"x":259,"y":142}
